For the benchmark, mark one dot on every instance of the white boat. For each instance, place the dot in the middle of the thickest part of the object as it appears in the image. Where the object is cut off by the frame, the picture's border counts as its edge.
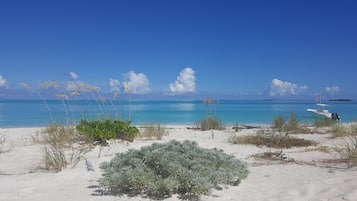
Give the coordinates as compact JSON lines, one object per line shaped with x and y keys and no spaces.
{"x":322,"y":112}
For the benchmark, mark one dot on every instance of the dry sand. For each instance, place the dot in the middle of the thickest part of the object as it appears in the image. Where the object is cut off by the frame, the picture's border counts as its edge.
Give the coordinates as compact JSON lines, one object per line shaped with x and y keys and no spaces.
{"x":301,"y":175}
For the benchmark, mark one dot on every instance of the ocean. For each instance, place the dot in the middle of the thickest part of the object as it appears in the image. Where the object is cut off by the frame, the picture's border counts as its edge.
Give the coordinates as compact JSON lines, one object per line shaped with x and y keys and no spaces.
{"x":33,"y":113}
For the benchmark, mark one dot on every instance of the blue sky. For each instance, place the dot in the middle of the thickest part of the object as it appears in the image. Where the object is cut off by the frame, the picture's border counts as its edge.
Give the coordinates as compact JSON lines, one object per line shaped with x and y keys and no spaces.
{"x":232,"y":49}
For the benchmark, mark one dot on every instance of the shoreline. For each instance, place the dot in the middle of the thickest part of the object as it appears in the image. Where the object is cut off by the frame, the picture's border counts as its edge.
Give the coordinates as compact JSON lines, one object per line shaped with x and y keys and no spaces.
{"x":302,"y":175}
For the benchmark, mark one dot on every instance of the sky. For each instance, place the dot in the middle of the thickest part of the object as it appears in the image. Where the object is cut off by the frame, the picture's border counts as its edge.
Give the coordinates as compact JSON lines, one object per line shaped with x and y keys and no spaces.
{"x":294,"y":49}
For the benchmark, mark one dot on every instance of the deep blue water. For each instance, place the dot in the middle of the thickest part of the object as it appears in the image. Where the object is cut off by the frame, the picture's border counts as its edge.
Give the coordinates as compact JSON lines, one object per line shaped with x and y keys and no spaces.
{"x":28,"y":113}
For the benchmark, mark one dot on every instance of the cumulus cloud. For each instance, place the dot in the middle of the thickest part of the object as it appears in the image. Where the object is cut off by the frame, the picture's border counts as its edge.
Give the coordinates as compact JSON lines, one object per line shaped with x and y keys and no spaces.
{"x":184,"y":83}
{"x":284,"y":88}
{"x":137,"y":83}
{"x":73,"y":75}
{"x":2,"y":81}
{"x":332,"y":90}
{"x":114,"y":85}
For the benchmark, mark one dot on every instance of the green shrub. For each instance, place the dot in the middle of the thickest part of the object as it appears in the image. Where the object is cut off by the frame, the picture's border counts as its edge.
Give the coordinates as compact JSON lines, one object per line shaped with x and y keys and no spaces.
{"x":211,"y":122}
{"x":160,"y":170}
{"x":108,"y":129}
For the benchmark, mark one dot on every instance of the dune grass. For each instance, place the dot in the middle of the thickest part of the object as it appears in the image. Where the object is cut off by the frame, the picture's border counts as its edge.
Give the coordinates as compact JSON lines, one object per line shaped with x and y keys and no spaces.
{"x":348,"y":151}
{"x":154,"y":131}
{"x":62,"y":146}
{"x":272,"y":139}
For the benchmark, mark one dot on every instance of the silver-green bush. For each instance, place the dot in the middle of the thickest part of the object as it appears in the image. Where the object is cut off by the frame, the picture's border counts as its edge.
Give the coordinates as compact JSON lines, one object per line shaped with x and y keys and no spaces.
{"x":160,"y":170}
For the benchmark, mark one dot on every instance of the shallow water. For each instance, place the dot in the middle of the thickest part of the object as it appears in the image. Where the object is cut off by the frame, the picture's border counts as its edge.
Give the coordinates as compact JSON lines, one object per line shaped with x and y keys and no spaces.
{"x":29,"y":113}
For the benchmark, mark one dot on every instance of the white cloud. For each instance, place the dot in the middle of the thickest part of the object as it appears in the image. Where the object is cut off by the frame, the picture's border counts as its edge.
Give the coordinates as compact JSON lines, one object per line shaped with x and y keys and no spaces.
{"x":283,"y":88}
{"x":184,"y":83}
{"x":332,"y":90}
{"x":73,"y":75}
{"x":137,"y":83}
{"x":114,"y":85}
{"x":2,"y":81}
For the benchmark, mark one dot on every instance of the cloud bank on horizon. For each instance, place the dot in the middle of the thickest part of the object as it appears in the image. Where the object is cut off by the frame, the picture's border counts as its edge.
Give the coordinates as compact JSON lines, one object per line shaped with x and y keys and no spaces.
{"x":139,"y":84}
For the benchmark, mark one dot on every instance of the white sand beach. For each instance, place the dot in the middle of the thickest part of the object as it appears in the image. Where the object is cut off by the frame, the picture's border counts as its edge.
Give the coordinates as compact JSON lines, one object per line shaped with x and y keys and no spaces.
{"x":301,"y":174}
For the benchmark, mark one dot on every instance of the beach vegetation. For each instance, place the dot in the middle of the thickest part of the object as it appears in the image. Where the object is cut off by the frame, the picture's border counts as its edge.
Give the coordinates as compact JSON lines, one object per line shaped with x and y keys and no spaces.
{"x":324,"y":122}
{"x":348,"y":151}
{"x":210,"y":122}
{"x":282,"y":124}
{"x":162,"y":169}
{"x":154,"y":131}
{"x":103,"y":130}
{"x":3,"y":140}
{"x":60,"y":135}
{"x":342,"y":130}
{"x":279,"y":122}
{"x":271,"y":139}
{"x":62,"y":146}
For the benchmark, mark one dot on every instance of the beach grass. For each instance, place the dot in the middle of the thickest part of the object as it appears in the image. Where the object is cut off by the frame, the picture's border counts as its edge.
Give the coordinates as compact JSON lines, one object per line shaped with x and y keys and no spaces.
{"x":154,"y":131}
{"x":62,"y":146}
{"x":271,"y":140}
{"x":210,"y":122}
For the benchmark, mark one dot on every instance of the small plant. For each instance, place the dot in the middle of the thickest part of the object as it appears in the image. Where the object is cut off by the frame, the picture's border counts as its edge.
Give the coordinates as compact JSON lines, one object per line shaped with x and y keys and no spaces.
{"x":54,"y":158}
{"x":102,"y":131}
{"x":293,"y":123}
{"x":325,"y":122}
{"x":154,"y":131}
{"x":271,"y":139}
{"x":60,"y":135}
{"x":338,"y":131}
{"x":348,"y":152}
{"x":2,"y":142}
{"x":237,"y":127}
{"x":61,"y":147}
{"x":279,"y":122}
{"x":161,"y":170}
{"x":211,"y":122}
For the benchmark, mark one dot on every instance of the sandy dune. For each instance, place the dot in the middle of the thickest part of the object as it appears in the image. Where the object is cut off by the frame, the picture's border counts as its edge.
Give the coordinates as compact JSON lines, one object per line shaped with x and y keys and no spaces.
{"x":301,"y":175}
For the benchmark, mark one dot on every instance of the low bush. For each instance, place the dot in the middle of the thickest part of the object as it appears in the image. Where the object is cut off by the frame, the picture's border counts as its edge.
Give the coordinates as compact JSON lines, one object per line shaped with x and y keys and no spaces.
{"x":108,"y":129}
{"x":161,"y":170}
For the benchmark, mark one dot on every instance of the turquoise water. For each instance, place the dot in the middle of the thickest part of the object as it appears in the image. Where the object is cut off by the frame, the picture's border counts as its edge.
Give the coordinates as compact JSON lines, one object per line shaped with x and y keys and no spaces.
{"x":29,"y":113}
